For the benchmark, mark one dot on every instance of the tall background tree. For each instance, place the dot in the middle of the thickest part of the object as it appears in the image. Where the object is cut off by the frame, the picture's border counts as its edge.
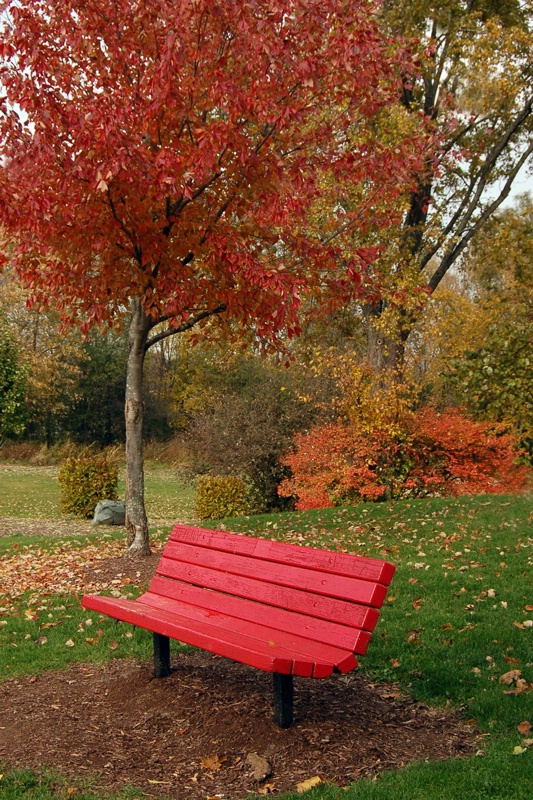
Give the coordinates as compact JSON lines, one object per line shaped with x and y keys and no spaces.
{"x":475,"y":90}
{"x":494,"y":379}
{"x":149,"y":176}
{"x":13,"y":376}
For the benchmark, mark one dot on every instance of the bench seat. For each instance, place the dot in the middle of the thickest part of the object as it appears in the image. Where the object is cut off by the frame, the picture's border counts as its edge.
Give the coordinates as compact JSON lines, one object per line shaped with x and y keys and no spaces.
{"x":281,"y":608}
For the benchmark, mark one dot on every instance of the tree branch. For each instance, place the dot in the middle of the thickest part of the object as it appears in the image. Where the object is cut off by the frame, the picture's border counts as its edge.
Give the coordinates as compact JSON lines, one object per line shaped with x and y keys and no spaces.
{"x":455,"y":251}
{"x":184,"y":327}
{"x":478,"y":182}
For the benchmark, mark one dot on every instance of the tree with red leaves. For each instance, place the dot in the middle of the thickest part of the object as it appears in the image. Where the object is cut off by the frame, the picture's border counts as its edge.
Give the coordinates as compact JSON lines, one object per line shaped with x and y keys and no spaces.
{"x":158,"y":160}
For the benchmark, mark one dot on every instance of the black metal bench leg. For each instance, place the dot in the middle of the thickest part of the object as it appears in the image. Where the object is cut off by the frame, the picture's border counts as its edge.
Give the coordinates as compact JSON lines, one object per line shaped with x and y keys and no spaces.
{"x":283,"y":700}
{"x":161,"y":656}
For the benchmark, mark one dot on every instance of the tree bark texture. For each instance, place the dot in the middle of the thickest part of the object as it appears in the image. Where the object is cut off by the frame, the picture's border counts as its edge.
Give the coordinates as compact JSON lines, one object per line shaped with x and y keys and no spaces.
{"x":386,"y":351}
{"x":136,"y":520}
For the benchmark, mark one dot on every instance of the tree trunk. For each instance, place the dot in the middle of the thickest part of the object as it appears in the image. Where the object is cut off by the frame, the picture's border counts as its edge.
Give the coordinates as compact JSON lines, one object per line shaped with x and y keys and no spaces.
{"x":386,"y":351}
{"x":136,"y":520}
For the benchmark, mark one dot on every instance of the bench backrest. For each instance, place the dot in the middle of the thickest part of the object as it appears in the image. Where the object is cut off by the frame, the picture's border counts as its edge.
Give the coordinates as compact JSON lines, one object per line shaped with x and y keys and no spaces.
{"x":341,"y":593}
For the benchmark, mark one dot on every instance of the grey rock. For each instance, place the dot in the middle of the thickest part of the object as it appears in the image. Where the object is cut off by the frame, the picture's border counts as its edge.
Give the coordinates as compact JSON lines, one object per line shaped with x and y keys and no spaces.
{"x":110,"y":512}
{"x":261,"y":768}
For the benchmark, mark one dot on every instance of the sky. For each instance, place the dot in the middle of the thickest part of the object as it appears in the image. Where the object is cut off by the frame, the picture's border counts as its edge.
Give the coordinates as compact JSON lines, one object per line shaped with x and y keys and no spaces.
{"x":522,"y":184}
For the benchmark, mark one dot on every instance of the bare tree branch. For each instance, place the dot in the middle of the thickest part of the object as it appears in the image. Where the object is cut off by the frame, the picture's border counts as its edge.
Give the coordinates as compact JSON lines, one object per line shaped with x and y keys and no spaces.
{"x":184,"y":327}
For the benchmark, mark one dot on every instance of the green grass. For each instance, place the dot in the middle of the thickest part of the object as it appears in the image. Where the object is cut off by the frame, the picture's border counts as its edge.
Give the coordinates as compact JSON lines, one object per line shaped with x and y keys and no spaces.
{"x":167,"y":496}
{"x":454,"y":623}
{"x":29,"y":492}
{"x":462,"y":587}
{"x":26,"y":785}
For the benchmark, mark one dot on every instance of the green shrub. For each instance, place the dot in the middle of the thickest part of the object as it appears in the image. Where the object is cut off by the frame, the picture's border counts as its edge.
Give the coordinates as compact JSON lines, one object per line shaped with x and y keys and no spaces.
{"x":244,"y":421}
{"x":221,"y":496}
{"x":84,"y":481}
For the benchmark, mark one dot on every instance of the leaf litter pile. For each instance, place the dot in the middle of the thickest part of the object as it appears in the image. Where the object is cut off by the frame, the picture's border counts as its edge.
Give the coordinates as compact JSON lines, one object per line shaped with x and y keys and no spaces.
{"x":207,"y":730}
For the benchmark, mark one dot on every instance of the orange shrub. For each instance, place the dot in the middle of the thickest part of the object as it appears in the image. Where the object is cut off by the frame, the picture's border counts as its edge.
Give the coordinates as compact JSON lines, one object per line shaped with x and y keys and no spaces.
{"x":436,"y":454}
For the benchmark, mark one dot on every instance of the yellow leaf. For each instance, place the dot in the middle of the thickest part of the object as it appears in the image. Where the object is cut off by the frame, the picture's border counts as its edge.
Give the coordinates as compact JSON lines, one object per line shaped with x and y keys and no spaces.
{"x":509,"y":677}
{"x":212,"y":763}
{"x":268,"y":788}
{"x":304,"y":786}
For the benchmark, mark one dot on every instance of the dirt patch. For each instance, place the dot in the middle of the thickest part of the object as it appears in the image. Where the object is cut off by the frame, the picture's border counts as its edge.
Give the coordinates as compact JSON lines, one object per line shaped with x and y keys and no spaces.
{"x":190,"y":735}
{"x":13,"y":526}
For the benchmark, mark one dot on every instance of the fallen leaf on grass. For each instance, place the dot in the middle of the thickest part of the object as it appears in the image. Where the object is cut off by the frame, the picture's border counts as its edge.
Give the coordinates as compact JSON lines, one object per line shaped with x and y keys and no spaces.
{"x":304,"y":786}
{"x":524,"y":728}
{"x":468,"y":627}
{"x":395,"y":663}
{"x":69,"y":643}
{"x":56,"y":569}
{"x":518,"y":750}
{"x":413,"y":637}
{"x":511,"y":660}
{"x":509,"y":677}
{"x":521,"y":686}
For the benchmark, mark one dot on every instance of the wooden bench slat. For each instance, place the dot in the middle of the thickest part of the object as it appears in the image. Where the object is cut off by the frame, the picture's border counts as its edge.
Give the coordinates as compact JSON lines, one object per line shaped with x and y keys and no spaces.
{"x":320,"y":630}
{"x":324,"y":656}
{"x":208,"y":637}
{"x":322,"y":583}
{"x":281,"y":596}
{"x":347,"y":564}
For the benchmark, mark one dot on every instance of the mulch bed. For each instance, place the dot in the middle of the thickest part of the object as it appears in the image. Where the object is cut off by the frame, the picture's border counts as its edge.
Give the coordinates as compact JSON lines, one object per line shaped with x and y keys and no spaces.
{"x":191,"y":735}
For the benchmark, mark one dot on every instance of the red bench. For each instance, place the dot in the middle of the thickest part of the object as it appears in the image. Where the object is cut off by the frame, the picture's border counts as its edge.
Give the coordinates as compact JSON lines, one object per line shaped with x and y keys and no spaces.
{"x":282,"y":608}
